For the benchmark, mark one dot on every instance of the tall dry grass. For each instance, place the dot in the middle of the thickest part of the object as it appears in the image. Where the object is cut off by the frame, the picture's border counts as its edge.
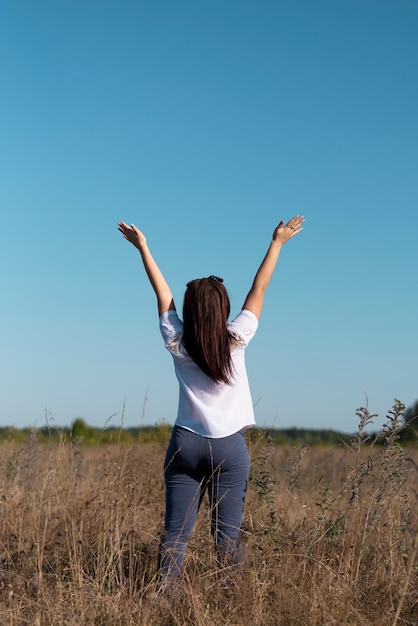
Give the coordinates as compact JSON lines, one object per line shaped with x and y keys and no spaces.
{"x":330,"y":537}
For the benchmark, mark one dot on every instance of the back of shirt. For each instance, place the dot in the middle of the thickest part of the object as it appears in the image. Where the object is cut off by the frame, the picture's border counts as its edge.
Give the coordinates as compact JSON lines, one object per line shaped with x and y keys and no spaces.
{"x":207,"y":408}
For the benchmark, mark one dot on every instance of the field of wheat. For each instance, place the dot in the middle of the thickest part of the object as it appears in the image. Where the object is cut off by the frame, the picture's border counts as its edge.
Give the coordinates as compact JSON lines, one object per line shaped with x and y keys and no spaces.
{"x":330,"y":537}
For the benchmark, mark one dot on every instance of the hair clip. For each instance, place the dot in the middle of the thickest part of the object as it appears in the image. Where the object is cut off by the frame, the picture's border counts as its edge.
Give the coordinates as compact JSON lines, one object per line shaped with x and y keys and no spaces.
{"x":219,"y":280}
{"x":211,"y":277}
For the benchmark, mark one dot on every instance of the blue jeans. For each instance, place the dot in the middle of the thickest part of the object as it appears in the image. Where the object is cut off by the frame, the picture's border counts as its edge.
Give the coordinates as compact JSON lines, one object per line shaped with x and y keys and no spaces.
{"x":193,"y":465}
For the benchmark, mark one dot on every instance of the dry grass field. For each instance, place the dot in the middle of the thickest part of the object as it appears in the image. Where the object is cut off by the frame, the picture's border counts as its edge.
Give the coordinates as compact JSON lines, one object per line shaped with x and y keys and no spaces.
{"x":330,"y":537}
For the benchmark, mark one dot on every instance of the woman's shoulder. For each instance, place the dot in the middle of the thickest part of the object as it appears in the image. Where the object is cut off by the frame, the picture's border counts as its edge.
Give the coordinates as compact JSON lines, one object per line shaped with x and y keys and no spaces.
{"x":243,"y":327}
{"x":245,"y":318}
{"x":170,"y":324}
{"x":171,"y":314}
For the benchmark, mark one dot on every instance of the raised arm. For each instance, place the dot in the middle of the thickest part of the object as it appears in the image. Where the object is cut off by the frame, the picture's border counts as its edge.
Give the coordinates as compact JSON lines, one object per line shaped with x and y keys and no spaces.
{"x":282,"y":233}
{"x":159,"y":284}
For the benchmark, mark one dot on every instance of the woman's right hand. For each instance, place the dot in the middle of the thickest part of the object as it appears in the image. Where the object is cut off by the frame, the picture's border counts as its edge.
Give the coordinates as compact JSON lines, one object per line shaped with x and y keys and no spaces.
{"x":283,"y":232}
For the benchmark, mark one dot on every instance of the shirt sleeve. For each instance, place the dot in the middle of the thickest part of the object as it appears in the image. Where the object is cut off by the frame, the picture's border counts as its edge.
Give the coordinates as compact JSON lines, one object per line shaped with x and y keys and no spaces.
{"x":244,"y":326}
{"x":171,"y":328}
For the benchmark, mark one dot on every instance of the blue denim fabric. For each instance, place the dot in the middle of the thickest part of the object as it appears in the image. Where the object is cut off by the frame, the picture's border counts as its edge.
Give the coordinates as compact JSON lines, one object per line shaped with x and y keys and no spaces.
{"x":193,"y":465}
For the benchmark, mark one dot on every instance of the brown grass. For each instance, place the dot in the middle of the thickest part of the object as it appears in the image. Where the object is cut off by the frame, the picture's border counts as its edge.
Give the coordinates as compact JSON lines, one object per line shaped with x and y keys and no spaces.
{"x":330,"y":538}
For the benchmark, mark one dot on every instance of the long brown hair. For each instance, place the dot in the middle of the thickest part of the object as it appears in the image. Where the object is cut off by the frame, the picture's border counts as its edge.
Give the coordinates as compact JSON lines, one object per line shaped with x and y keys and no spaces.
{"x":206,"y":338}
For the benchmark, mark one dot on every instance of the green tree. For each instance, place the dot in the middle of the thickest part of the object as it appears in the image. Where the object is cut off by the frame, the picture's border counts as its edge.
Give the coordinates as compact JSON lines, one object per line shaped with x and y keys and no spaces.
{"x":410,"y":433}
{"x":80,"y":430}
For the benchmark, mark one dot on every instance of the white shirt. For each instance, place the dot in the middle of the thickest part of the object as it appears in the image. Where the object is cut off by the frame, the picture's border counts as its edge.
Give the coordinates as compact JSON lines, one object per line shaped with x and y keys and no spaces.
{"x":207,"y":408}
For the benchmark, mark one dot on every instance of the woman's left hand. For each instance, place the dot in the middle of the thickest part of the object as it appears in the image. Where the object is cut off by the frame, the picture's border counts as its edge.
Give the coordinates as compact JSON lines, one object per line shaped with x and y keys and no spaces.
{"x":133,"y":235}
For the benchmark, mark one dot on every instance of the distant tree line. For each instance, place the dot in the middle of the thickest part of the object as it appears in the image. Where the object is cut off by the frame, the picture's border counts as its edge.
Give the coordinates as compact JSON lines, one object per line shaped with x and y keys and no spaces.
{"x":80,"y":432}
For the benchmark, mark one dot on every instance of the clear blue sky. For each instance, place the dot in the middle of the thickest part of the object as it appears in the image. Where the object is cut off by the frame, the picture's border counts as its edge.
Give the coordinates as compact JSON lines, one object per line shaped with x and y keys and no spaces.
{"x":205,"y":122}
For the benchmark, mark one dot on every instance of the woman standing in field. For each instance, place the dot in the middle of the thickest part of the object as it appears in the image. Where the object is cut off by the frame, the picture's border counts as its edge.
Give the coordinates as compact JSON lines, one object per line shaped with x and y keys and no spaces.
{"x":207,"y":450}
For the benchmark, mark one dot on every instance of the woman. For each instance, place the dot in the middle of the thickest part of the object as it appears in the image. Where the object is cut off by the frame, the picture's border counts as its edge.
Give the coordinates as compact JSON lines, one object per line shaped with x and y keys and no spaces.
{"x":207,"y":450}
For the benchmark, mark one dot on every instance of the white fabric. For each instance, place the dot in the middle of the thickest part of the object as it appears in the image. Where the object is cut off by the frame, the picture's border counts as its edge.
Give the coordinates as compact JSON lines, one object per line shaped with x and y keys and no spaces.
{"x":207,"y":408}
